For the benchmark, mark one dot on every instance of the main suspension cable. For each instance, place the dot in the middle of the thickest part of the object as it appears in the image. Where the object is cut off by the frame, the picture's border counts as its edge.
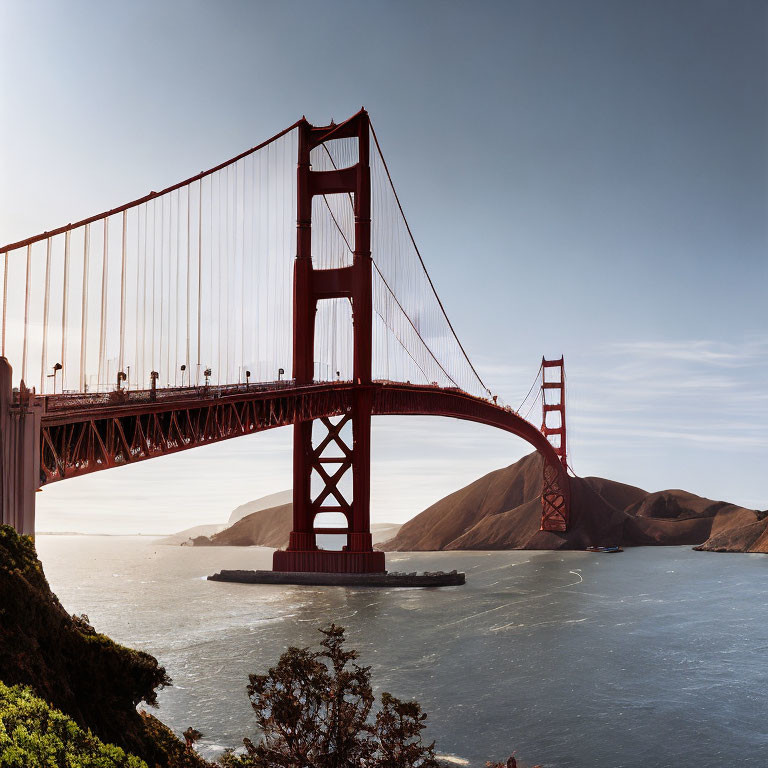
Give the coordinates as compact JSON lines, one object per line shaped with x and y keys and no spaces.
{"x":421,"y":260}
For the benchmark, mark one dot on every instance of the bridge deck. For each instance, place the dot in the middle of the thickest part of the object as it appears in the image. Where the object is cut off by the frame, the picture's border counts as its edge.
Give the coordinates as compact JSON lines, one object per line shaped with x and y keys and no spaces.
{"x":88,"y":433}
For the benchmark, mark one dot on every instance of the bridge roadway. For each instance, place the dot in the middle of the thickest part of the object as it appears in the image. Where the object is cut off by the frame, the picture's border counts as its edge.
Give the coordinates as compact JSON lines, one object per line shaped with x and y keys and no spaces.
{"x":84,"y":433}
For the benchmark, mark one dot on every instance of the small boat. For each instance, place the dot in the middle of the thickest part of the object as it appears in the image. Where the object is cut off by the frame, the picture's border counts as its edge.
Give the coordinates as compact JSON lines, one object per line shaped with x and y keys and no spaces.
{"x":606,"y":550}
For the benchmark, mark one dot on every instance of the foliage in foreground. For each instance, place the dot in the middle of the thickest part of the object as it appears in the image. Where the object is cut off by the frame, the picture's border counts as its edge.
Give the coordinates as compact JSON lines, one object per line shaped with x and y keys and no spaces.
{"x":314,"y":710}
{"x":170,"y":751}
{"x":86,"y":675}
{"x":35,"y":735}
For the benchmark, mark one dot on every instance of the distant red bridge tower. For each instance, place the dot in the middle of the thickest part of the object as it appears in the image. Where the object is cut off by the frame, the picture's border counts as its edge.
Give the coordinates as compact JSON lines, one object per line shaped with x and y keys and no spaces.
{"x":553,"y":406}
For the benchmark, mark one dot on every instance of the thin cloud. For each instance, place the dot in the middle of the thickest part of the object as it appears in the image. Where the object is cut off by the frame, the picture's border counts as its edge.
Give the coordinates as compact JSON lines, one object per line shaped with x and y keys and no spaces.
{"x":699,"y":351}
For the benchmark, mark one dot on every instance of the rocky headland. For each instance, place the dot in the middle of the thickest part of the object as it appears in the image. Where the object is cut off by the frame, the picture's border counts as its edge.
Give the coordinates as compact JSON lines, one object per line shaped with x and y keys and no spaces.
{"x":502,"y":510}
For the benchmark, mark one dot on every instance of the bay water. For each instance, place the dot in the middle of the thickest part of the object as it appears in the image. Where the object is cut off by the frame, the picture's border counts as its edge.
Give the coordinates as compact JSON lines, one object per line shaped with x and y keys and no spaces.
{"x":654,"y":657}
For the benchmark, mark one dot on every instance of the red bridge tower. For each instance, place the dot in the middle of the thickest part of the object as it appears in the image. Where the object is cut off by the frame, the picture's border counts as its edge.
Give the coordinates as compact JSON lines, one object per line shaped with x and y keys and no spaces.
{"x":311,"y":285}
{"x":556,"y":405}
{"x":554,"y":496}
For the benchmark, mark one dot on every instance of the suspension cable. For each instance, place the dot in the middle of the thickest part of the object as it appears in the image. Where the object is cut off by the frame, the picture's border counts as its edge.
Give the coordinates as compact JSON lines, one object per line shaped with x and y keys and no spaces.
{"x":421,"y":260}
{"x":536,"y":379}
{"x":147,"y":198}
{"x":391,"y":292}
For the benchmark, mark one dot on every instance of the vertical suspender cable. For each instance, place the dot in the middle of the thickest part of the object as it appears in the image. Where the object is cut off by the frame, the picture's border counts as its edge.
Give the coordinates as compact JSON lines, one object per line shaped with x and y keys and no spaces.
{"x":177,"y":281}
{"x":103,"y":315}
{"x":154,"y":282}
{"x":84,"y":306}
{"x":261,"y":257}
{"x":141,"y":302}
{"x":227,"y":261}
{"x":5,"y":300}
{"x":64,"y":313}
{"x":171,"y":280}
{"x":136,"y":299}
{"x":162,"y":286}
{"x":253,"y":285}
{"x":46,"y":307}
{"x":122,"y":292}
{"x":26,"y":314}
{"x":186,"y":354}
{"x":233,"y":277}
{"x":168,"y":301}
{"x":199,"y":274}
{"x":170,"y":288}
{"x":242,"y":279}
{"x":220,"y":268}
{"x":269,"y":356}
{"x":211,"y":318}
{"x":143,"y":366}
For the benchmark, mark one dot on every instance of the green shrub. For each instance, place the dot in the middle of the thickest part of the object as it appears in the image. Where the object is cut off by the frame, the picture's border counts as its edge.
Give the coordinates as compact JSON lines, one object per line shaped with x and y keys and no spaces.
{"x":34,"y":735}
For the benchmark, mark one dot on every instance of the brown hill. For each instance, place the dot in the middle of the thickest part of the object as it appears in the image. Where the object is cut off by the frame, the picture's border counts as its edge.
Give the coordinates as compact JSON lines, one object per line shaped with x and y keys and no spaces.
{"x":271,"y":528}
{"x":264,"y":528}
{"x":257,"y":505}
{"x":502,"y":511}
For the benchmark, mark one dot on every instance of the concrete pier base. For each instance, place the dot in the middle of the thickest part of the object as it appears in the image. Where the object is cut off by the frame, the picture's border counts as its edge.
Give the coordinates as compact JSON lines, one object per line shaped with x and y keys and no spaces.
{"x":19,"y":454}
{"x":315,"y":579}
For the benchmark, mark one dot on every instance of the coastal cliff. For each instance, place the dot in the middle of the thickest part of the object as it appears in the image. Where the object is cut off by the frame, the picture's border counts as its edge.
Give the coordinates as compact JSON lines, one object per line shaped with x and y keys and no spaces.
{"x":94,"y":681}
{"x":502,"y":510}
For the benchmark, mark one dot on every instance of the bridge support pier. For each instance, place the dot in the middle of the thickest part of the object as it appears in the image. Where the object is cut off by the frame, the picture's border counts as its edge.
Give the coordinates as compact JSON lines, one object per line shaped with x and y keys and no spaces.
{"x":19,"y":454}
{"x":311,"y":285}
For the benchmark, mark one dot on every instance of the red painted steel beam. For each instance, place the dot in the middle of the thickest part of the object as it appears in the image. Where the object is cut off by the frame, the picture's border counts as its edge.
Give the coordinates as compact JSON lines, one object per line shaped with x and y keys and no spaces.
{"x":334,"y":182}
{"x":346,"y":130}
{"x":82,"y":440}
{"x":332,"y":283}
{"x":332,"y":530}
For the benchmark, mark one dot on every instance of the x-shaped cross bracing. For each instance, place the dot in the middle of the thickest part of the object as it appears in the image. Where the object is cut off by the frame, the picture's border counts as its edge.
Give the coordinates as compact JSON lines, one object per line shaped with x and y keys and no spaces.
{"x":331,"y":480}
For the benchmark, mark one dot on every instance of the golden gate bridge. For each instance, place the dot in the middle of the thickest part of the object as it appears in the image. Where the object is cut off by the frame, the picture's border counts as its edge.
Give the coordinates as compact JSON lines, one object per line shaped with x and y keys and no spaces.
{"x":280,"y":288}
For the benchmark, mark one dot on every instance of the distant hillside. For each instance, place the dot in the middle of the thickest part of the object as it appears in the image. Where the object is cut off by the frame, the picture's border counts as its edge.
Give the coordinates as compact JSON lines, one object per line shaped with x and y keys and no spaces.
{"x":265,"y":502}
{"x":191,"y":533}
{"x":502,"y":510}
{"x":271,"y":528}
{"x":265,"y":528}
{"x":203,"y":532}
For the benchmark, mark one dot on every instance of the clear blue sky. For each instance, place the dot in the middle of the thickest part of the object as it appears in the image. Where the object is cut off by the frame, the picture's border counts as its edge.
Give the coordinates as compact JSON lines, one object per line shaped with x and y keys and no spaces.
{"x":586,"y":178}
